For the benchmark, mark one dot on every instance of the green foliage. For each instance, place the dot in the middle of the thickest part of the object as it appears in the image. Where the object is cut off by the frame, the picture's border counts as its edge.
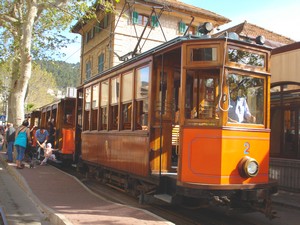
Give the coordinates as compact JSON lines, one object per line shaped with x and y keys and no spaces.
{"x":49,"y":77}
{"x":42,"y":88}
{"x":5,"y":73}
{"x":34,"y":30}
{"x":65,"y":74}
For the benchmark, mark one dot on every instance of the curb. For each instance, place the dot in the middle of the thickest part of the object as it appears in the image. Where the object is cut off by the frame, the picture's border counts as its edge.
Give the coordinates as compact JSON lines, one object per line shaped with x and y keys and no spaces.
{"x":50,"y":214}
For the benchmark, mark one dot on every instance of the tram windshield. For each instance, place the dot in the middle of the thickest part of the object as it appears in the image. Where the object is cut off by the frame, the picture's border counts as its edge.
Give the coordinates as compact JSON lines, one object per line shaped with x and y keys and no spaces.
{"x":201,"y":98}
{"x":246,"y":99}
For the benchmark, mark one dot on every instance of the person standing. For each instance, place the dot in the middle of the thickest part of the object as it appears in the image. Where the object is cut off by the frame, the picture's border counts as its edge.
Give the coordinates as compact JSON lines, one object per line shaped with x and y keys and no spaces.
{"x":41,"y":136}
{"x":1,"y":141}
{"x":21,"y":139}
{"x":10,"y":139}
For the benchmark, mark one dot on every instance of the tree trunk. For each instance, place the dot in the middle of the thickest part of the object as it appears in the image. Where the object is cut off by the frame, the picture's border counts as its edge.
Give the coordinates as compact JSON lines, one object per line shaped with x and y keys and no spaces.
{"x":20,"y":85}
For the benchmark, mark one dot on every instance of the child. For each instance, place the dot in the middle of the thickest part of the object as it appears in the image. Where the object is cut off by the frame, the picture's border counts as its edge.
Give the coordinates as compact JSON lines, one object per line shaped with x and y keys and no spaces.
{"x":48,"y":154}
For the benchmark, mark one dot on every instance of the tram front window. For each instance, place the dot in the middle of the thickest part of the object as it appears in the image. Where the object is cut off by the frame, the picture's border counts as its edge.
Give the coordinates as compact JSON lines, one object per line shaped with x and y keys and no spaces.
{"x":202,"y":90}
{"x":246,"y":99}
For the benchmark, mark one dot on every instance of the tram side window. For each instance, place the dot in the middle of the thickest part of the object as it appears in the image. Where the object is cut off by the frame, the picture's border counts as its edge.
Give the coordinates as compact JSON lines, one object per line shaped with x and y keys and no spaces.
{"x":114,"y":111}
{"x":127,"y":84}
{"x":141,"y":96}
{"x":79,"y":107}
{"x":94,"y":110}
{"x":201,"y":96}
{"x":103,"y":105}
{"x":87,"y":108}
{"x":246,"y":99}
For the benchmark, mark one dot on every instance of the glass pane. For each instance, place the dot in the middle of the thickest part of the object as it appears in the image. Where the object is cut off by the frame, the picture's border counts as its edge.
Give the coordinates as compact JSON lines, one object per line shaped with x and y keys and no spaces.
{"x":104,"y":118}
{"x":142,"y":83}
{"x":290,"y":133}
{"x":204,"y":54}
{"x":114,"y":117}
{"x":200,"y":100}
{"x":142,"y":115}
{"x":104,"y":93}
{"x":95,"y":96}
{"x":115,"y":90}
{"x":163,"y":90}
{"x":126,"y":115}
{"x":127,"y":87}
{"x":87,"y":98}
{"x":246,"y":99}
{"x":246,"y":58}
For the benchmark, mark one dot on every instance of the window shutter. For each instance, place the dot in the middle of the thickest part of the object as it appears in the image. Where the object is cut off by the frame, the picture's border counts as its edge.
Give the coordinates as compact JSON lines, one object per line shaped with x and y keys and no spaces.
{"x":182,"y":27}
{"x":197,"y":33}
{"x":92,"y":32}
{"x":87,"y":37}
{"x":154,"y":21}
{"x":101,"y":62}
{"x":88,"y":70}
{"x":98,"y":27}
{"x":105,"y":21}
{"x":135,"y":17}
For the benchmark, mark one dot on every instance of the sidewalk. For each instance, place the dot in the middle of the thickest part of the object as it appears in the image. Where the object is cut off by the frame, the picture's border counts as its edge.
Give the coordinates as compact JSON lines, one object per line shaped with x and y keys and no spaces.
{"x":287,"y":199}
{"x":66,"y":201}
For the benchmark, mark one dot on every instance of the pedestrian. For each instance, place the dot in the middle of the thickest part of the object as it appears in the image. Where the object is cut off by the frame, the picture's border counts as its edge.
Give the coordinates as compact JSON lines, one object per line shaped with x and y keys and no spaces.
{"x":21,"y":139}
{"x":41,"y":136}
{"x":48,"y":153}
{"x":10,"y":139}
{"x":1,"y":141}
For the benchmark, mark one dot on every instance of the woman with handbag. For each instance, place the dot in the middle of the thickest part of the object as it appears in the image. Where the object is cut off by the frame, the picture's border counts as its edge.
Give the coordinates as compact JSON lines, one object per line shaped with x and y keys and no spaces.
{"x":22,"y":136}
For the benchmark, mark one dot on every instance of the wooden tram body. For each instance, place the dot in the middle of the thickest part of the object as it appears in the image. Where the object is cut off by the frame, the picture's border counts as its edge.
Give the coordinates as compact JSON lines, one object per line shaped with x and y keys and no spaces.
{"x":159,"y":123}
{"x":62,"y":115}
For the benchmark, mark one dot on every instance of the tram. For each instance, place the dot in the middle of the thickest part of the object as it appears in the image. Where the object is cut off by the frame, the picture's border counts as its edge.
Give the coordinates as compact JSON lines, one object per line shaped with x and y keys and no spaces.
{"x":162,"y":123}
{"x":61,"y":114}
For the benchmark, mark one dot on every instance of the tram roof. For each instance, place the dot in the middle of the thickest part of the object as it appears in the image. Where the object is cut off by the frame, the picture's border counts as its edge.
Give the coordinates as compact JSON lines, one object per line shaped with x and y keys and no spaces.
{"x":168,"y":44}
{"x":42,"y":108}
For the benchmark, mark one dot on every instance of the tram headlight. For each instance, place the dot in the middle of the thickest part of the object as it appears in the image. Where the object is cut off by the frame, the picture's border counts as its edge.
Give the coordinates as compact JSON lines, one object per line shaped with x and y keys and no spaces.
{"x":260,"y":40}
{"x":248,"y":167}
{"x":205,"y":28}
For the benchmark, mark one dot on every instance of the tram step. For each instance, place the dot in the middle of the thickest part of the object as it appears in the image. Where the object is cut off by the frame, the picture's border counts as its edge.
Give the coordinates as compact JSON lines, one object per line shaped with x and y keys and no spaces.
{"x":164,"y":197}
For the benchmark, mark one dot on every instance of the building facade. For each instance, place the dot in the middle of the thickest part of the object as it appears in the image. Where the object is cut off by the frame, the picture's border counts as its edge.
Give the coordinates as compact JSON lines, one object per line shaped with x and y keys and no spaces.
{"x":134,"y":28}
{"x":285,"y":116}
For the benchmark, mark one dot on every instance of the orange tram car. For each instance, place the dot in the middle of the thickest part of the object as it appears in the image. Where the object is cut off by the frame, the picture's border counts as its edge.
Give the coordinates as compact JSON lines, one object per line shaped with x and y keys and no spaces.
{"x":61,"y":114}
{"x":162,"y":124}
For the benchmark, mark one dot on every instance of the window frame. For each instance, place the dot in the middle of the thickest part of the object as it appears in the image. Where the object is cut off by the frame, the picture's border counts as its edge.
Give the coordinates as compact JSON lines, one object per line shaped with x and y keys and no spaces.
{"x":114,"y":104}
{"x":101,"y":62}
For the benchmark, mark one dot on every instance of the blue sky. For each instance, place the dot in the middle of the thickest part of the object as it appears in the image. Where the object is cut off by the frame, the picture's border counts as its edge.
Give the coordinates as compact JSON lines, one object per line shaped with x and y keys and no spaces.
{"x":282,"y":17}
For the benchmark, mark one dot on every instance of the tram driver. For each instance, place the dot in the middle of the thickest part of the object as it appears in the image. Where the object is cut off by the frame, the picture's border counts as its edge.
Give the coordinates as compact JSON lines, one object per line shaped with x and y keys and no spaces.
{"x":238,"y":108}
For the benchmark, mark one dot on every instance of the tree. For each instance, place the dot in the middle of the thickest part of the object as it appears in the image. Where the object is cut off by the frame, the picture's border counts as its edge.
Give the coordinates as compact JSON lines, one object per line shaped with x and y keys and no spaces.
{"x":30,"y":30}
{"x":41,"y":83}
{"x":65,"y":74}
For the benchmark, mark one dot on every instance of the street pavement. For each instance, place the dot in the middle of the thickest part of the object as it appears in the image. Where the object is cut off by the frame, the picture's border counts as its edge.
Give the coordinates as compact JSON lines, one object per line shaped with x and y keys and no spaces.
{"x":16,"y":206}
{"x":64,"y":200}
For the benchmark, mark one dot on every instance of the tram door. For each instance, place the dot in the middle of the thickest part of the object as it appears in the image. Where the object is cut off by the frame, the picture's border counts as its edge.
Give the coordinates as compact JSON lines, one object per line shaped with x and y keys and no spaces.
{"x":78,"y":124}
{"x":165,"y":139}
